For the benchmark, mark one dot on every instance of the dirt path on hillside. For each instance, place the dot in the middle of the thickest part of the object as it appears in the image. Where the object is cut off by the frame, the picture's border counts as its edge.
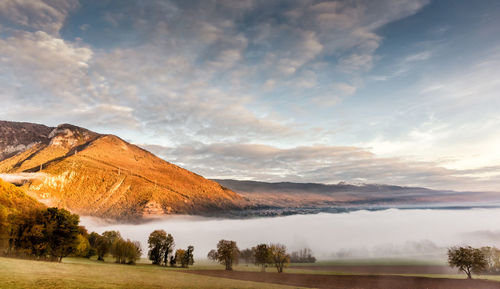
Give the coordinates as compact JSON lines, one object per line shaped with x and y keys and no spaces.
{"x":351,"y":281}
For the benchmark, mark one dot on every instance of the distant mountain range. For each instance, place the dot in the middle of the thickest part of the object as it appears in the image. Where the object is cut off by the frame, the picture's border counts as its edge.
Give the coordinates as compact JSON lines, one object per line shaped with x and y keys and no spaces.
{"x":103,"y":175}
{"x":332,"y":197}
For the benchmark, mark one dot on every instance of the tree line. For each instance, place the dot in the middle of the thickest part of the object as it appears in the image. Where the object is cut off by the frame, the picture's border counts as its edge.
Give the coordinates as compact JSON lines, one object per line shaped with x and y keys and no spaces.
{"x":263,"y":255}
{"x":51,"y":234}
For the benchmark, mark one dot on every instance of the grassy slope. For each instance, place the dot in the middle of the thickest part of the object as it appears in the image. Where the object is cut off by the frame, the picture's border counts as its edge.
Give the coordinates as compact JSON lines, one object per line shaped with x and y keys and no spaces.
{"x":81,"y":273}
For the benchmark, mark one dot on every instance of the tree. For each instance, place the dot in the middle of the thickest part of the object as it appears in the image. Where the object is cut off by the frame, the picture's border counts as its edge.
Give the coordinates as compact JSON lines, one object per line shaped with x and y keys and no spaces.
{"x":262,"y":256}
{"x":212,"y":255}
{"x":44,"y":234}
{"x":112,"y":236}
{"x":100,"y":245}
{"x":227,"y":253}
{"x":126,"y":252}
{"x":160,"y":247}
{"x":188,"y":257}
{"x":467,"y":259}
{"x":179,"y":257}
{"x":173,"y":261}
{"x":61,"y":232}
{"x":4,"y":227}
{"x":83,"y":247}
{"x":247,"y":255}
{"x":168,"y":248}
{"x":302,"y":256}
{"x":156,"y":243}
{"x":134,"y":251}
{"x":492,"y":256}
{"x":279,"y":256}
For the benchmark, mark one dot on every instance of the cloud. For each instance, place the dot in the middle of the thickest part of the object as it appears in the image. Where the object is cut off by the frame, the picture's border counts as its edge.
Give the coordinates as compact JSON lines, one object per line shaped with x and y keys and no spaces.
{"x":356,"y":63}
{"x":334,"y":94}
{"x":323,"y":164}
{"x":44,"y":15}
{"x":47,"y":64}
{"x":189,"y":70}
{"x":257,"y":76}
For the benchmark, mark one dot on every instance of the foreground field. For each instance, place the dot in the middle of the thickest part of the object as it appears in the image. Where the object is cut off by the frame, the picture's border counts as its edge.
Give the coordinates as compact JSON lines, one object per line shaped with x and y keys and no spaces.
{"x":353,"y":281}
{"x":382,"y":266}
{"x":83,"y":273}
{"x":80,"y":273}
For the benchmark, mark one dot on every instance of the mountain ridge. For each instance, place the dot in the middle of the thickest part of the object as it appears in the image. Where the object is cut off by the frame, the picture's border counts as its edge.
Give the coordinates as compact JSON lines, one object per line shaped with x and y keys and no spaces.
{"x":103,"y":175}
{"x":301,"y":195}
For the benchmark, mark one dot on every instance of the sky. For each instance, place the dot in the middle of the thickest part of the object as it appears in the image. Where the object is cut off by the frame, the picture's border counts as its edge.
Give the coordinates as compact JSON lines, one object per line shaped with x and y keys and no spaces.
{"x":397,"y":92}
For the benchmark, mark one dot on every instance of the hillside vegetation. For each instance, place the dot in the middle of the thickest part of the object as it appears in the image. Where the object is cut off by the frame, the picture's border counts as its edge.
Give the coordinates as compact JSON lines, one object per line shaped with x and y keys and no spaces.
{"x":15,"y":200}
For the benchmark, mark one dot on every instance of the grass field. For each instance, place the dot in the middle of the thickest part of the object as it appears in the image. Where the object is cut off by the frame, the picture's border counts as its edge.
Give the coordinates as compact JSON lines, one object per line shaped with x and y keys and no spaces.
{"x":82,"y":273}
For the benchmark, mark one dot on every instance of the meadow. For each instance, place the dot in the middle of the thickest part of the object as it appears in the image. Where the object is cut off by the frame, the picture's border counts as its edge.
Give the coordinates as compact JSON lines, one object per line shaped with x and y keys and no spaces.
{"x":85,"y":273}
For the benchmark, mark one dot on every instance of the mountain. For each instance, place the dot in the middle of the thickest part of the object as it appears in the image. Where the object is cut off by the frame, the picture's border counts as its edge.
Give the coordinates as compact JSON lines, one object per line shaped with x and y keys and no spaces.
{"x":19,"y":136}
{"x":102,"y":175}
{"x":345,"y":195}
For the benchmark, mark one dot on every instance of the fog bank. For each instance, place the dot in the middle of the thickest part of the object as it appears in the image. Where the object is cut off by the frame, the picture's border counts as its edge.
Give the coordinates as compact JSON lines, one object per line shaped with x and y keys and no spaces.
{"x":387,"y":233}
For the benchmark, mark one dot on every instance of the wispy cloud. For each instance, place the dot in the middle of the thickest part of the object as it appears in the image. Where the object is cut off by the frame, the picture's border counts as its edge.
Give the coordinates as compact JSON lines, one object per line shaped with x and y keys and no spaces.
{"x":323,"y":164}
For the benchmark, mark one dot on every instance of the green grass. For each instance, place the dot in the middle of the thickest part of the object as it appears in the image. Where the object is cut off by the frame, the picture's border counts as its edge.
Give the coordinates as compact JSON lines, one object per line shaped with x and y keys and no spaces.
{"x":83,"y":273}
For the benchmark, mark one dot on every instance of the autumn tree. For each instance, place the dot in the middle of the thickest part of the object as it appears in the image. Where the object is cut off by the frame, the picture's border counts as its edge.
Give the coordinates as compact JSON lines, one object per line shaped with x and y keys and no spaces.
{"x":227,"y":253}
{"x":61,"y":232}
{"x":279,"y":257}
{"x":467,"y":259}
{"x":262,"y":256}
{"x":126,"y":251}
{"x":4,"y":227}
{"x":50,"y":233}
{"x":161,"y":246}
{"x":179,"y":257}
{"x":100,"y":244}
{"x":83,"y":247}
{"x":188,"y":256}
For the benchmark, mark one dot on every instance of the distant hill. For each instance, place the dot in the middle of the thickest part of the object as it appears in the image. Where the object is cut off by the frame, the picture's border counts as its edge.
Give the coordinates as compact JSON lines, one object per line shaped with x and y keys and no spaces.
{"x":103,"y":175}
{"x":289,"y":194}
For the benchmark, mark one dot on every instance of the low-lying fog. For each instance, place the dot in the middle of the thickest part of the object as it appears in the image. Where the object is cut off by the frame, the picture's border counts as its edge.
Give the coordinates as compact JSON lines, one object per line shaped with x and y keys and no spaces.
{"x":387,"y":233}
